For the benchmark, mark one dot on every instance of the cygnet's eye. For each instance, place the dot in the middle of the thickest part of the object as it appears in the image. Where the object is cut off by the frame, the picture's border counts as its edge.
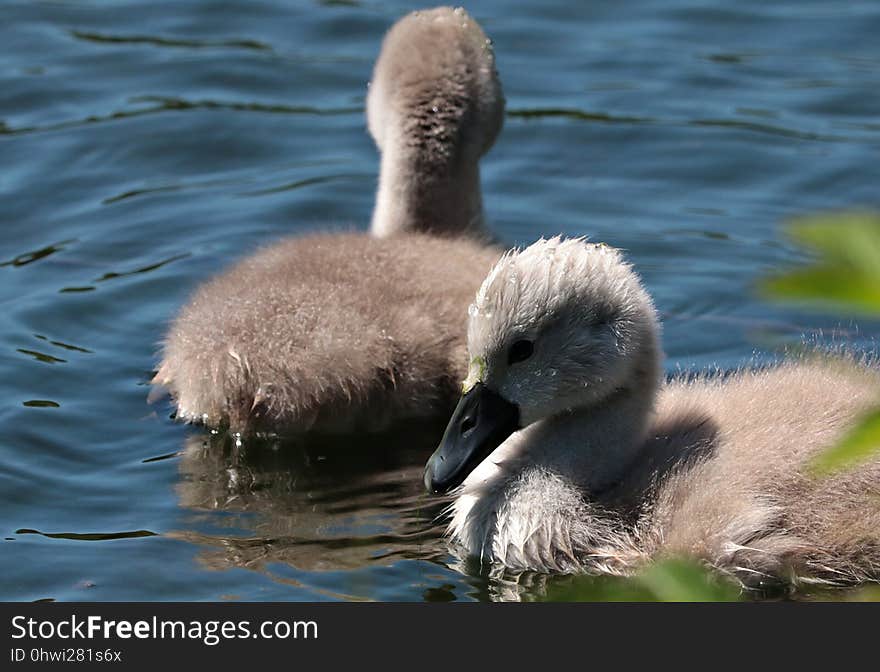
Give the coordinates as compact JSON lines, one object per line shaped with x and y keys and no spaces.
{"x":520,"y":351}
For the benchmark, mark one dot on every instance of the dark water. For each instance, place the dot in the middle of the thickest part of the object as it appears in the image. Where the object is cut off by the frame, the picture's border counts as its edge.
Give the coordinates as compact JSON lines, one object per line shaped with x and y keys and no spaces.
{"x":145,"y":145}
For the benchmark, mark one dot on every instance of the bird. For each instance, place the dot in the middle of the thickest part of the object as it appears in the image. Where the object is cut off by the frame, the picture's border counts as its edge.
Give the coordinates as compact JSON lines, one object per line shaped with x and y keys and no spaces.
{"x":570,"y":452}
{"x":351,"y":331}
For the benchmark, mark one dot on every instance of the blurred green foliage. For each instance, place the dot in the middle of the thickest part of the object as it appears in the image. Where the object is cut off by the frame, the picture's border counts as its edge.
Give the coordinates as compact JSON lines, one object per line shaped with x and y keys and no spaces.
{"x":858,"y":445}
{"x":844,"y":275}
{"x":672,"y":580}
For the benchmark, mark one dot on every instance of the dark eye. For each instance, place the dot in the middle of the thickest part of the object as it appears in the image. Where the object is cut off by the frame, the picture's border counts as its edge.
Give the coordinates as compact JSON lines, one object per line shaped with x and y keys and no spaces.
{"x":520,"y":351}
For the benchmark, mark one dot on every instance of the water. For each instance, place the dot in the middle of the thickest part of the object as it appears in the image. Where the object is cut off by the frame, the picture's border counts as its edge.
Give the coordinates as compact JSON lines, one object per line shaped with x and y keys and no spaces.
{"x":146,"y":145}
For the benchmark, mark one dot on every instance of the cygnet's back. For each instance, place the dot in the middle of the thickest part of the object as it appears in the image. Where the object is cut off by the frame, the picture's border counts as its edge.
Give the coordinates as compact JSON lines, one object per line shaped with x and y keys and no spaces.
{"x":328,"y":331}
{"x":343,"y":331}
{"x":748,"y":503}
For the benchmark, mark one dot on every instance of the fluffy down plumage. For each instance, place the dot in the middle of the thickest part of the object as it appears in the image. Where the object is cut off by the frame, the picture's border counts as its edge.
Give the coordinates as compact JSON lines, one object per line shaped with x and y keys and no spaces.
{"x":614,"y":467}
{"x":352,"y":331}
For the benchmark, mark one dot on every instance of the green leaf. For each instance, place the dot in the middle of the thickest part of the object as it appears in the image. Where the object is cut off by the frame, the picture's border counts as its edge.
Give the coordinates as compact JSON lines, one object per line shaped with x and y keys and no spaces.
{"x":685,"y":581}
{"x":671,"y":580}
{"x":846,"y":271}
{"x":825,"y":284}
{"x":865,"y":594}
{"x":860,"y":444}
{"x":852,"y":239}
{"x":596,"y":589}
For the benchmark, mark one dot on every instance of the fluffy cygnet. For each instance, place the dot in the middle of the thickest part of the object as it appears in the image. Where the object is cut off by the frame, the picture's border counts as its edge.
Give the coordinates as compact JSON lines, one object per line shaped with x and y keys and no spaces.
{"x":344,"y":331}
{"x":573,"y":455}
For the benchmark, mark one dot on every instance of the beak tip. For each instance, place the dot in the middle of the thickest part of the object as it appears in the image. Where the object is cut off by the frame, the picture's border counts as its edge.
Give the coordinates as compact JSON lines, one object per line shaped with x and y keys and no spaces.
{"x":434,"y":483}
{"x":428,"y":480}
{"x":482,"y":420}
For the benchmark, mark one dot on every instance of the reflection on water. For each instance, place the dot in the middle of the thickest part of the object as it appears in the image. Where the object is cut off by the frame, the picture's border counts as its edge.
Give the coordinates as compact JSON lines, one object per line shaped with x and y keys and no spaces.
{"x":315,"y":504}
{"x":328,"y":505}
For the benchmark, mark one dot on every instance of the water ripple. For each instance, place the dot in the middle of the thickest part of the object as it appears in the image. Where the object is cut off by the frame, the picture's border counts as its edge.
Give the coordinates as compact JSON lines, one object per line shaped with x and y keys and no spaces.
{"x":41,"y":356}
{"x":736,"y":124}
{"x":159,"y":458}
{"x":90,"y":536}
{"x":298,"y":184}
{"x":768,"y":129}
{"x":172,"y":103}
{"x":164,"y":189}
{"x":572,"y":113}
{"x":161,"y":104}
{"x":41,"y":403}
{"x":170,"y":41}
{"x":72,"y":290}
{"x":60,"y":344}
{"x":143,"y":269}
{"x":29,"y":257}
{"x":113,"y":275}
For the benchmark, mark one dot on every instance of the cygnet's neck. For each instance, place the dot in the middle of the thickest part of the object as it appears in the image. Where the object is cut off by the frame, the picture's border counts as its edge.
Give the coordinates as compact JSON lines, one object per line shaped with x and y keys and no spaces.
{"x":421,"y":194}
{"x":595,"y":447}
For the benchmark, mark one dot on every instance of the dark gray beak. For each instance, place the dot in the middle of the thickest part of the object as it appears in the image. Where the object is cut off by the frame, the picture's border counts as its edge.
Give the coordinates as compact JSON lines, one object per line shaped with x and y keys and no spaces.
{"x":480,"y":423}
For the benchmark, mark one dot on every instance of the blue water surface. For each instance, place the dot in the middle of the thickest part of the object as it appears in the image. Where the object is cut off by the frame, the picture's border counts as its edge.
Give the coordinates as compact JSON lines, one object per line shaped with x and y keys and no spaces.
{"x":146,"y":145}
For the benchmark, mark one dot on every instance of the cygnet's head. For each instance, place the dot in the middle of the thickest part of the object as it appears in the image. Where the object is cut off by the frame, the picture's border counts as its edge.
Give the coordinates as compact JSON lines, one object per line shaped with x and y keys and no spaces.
{"x":561,"y":325}
{"x":435,"y":89}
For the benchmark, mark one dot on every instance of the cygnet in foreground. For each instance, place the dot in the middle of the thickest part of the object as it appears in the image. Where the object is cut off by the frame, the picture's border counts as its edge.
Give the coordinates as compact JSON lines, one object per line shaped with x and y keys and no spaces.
{"x":573,"y":455}
{"x":345,"y":331}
